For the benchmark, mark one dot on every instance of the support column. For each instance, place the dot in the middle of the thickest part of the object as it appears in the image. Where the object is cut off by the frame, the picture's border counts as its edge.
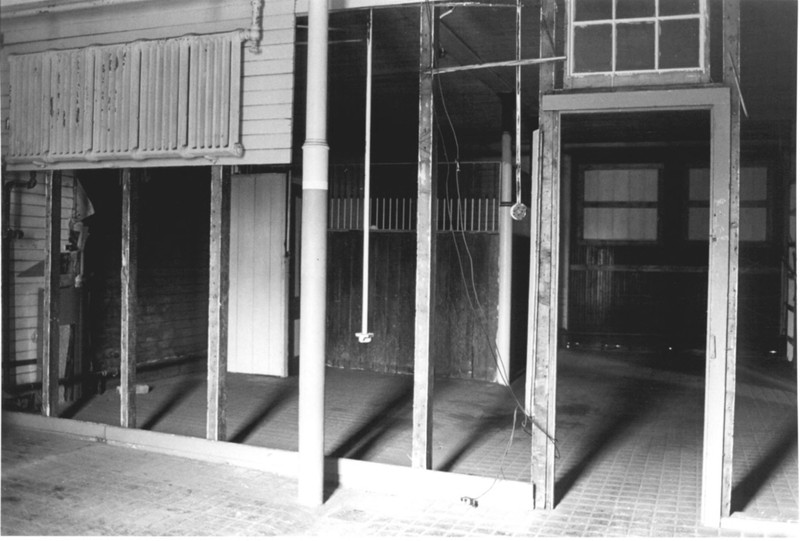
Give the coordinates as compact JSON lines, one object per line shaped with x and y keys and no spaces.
{"x":422,"y":432}
{"x":544,"y":291}
{"x":566,"y":240}
{"x":505,"y":256}
{"x":52,"y":293}
{"x":313,"y":259}
{"x":723,"y":289}
{"x":128,"y":300}
{"x":218,"y":284}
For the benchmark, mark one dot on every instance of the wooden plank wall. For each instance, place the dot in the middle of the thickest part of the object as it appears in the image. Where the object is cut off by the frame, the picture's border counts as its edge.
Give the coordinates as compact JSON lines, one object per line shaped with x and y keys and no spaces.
{"x":24,"y":270}
{"x":655,"y":294}
{"x":258,"y":317}
{"x":173,"y":266}
{"x":267,"y":77}
{"x":462,"y":349}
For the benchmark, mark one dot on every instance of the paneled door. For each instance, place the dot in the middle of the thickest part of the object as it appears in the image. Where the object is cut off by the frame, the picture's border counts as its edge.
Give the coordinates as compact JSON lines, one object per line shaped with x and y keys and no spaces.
{"x":258,"y":314}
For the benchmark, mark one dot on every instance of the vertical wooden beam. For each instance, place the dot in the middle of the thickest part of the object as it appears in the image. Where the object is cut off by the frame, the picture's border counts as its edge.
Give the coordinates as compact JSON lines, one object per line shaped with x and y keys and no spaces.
{"x":129,"y":303}
{"x":722,"y":285}
{"x":421,"y":447}
{"x":218,"y":280}
{"x":533,"y":275}
{"x":52,"y":293}
{"x":731,"y":14}
{"x":545,"y":291}
{"x":566,"y":238}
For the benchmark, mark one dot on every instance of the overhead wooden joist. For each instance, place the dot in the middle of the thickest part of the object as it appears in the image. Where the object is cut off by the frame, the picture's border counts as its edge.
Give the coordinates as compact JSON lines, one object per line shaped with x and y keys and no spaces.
{"x":218,"y":283}
{"x":51,"y":306}
{"x":422,"y":433}
{"x":128,"y":299}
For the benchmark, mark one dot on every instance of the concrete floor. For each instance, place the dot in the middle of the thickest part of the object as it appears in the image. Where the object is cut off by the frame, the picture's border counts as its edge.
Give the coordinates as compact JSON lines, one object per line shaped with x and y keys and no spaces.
{"x":629,"y":432}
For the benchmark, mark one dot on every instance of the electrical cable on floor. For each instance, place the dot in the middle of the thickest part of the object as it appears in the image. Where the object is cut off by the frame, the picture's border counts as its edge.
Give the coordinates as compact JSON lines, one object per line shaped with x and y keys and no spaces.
{"x":479,"y":311}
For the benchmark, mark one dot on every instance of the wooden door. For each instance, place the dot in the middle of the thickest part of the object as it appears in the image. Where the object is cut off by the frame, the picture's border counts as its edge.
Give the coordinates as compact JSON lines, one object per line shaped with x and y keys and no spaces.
{"x":258,"y":315}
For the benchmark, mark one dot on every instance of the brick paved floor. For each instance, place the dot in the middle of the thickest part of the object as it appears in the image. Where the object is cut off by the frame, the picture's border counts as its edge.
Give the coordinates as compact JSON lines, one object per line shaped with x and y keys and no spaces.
{"x":629,"y":432}
{"x":53,"y":484}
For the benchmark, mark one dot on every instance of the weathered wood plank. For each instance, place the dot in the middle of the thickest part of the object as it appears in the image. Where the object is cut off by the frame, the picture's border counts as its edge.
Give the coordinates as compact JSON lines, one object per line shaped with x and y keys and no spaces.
{"x":422,"y":432}
{"x":731,"y":74}
{"x":51,"y":306}
{"x":129,"y":299}
{"x":219,"y":265}
{"x":113,"y":22}
{"x":545,"y":246}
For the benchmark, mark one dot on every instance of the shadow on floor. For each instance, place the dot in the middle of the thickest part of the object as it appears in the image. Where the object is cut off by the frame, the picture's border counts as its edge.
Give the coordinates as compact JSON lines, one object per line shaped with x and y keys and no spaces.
{"x":359,"y":443}
{"x":759,"y":476}
{"x":182,"y":392}
{"x":75,"y":407}
{"x":633,"y":401}
{"x":479,"y":432}
{"x":273,"y":402}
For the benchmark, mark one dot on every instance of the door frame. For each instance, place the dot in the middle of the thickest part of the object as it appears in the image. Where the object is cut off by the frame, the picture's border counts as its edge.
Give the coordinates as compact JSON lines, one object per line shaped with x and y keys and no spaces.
{"x":722,"y":281}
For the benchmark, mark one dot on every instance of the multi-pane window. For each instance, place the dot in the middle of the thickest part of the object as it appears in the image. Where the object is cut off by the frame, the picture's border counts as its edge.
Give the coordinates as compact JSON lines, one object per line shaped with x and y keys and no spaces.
{"x":624,"y":40}
{"x":753,"y":204}
{"x":620,"y":204}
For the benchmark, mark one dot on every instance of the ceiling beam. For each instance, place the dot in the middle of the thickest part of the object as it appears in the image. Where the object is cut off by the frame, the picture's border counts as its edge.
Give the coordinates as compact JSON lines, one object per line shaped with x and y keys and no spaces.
{"x":339,"y":5}
{"x":455,"y":46}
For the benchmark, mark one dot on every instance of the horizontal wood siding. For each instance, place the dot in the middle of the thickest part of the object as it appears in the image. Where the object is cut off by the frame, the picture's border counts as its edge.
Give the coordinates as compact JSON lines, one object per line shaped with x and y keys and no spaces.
{"x":24,"y":270}
{"x":267,"y":77}
{"x":461,"y":350}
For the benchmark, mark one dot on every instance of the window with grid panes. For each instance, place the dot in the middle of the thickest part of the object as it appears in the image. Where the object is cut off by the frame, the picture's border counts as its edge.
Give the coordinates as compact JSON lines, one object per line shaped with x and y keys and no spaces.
{"x":620,"y":204}
{"x":636,"y":41}
{"x":753,"y":204}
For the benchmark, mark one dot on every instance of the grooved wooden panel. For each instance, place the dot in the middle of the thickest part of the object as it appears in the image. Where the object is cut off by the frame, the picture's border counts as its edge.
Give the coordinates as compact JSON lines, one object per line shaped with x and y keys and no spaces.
{"x":173,"y":267}
{"x":460,"y":333}
{"x":258,"y":277}
{"x":267,"y":76}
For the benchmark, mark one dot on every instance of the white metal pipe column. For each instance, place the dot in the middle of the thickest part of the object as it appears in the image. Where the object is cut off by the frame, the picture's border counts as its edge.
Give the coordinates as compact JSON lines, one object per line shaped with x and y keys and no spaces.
{"x":504,"y":262}
{"x":313,"y":263}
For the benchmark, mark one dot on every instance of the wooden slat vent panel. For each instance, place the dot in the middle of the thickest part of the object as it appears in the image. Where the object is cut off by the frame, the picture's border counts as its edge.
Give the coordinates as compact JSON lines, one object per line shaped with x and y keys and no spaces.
{"x":177,"y":97}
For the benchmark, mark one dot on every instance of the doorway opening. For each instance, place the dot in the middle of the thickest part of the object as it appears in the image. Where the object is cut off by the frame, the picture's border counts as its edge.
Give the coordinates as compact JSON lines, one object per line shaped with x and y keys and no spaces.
{"x":632,"y":303}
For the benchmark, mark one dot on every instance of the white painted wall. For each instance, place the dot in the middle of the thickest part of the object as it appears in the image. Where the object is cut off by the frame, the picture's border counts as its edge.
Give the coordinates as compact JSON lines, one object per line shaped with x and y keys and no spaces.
{"x":267,"y":77}
{"x":27,"y":214}
{"x":258,"y":322}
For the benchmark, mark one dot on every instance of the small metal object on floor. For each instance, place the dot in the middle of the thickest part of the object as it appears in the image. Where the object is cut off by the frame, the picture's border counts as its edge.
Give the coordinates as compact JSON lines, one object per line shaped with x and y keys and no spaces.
{"x":57,"y":484}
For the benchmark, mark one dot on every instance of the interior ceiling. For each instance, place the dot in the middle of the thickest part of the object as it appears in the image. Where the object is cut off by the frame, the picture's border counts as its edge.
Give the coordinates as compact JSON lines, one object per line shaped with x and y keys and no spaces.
{"x":468,"y":102}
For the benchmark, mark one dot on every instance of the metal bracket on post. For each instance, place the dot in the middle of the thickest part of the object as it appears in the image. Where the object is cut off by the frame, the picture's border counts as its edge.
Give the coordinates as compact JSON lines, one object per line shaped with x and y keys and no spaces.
{"x":365,"y":337}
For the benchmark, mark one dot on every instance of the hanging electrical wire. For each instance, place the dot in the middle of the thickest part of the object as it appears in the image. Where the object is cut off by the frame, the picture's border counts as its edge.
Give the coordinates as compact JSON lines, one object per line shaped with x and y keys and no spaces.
{"x":518,"y":212}
{"x":518,"y":209}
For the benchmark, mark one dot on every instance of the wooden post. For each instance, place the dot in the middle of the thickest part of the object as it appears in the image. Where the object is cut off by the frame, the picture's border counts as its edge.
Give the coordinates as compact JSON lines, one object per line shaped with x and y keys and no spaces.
{"x":421,"y":448}
{"x":129,"y":303}
{"x":722,"y":290}
{"x":544,"y":291}
{"x":566,"y":240}
{"x":218,"y":281}
{"x":52,"y":293}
